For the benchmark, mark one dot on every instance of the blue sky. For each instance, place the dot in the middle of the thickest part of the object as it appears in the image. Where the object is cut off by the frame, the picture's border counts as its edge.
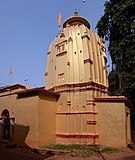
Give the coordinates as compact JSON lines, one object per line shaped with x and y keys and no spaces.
{"x":27,"y":28}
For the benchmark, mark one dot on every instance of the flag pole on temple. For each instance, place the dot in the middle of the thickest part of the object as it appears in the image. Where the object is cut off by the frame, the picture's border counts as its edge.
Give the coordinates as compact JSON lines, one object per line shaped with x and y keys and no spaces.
{"x":59,"y":20}
{"x":11,"y":74}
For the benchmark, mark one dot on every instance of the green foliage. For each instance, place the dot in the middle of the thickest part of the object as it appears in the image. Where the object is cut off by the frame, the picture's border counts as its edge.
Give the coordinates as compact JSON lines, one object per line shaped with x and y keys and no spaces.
{"x":110,"y":150}
{"x":85,"y":150}
{"x":113,"y":83}
{"x":64,"y":147}
{"x":117,"y":26}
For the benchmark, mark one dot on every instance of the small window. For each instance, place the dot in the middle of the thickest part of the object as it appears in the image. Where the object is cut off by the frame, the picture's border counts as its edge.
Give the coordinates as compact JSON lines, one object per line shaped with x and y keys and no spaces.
{"x":61,"y":47}
{"x":61,"y":77}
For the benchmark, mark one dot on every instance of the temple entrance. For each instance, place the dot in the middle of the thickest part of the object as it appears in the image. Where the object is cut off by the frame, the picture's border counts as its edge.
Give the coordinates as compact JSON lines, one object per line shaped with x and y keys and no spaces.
{"x":6,"y":126}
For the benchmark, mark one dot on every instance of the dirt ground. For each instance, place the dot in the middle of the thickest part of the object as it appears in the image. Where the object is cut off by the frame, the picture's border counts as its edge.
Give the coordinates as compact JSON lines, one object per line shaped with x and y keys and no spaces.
{"x":19,"y":153}
{"x":125,"y":155}
{"x":113,"y":156}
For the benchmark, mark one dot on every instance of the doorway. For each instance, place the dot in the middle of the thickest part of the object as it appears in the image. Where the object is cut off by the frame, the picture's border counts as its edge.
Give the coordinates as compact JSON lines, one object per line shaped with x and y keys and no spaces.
{"x":5,"y":125}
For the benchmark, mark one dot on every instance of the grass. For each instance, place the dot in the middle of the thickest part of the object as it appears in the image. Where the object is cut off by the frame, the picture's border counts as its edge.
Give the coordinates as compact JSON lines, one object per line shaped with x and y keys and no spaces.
{"x":84,"y":149}
{"x":64,"y":147}
{"x":110,"y":150}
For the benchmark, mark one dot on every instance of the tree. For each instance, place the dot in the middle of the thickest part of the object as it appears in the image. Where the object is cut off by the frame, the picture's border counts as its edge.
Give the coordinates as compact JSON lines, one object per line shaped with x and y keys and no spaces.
{"x":117,"y":26}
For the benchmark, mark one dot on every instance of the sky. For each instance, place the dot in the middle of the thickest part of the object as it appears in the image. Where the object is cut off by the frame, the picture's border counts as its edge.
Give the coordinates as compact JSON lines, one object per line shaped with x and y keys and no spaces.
{"x":27,"y":28}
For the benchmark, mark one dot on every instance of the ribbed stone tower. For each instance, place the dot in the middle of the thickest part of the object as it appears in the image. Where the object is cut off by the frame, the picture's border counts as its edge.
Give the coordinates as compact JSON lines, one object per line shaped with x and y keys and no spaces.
{"x":76,"y":68}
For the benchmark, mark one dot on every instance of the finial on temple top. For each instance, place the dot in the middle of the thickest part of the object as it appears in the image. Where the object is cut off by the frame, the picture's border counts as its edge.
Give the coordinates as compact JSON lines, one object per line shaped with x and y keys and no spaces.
{"x":76,"y":13}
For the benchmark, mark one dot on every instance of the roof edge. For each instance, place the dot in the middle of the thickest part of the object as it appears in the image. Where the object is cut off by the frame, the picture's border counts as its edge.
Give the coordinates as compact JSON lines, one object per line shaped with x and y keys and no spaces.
{"x":114,"y":98}
{"x":12,"y":87}
{"x":38,"y":90}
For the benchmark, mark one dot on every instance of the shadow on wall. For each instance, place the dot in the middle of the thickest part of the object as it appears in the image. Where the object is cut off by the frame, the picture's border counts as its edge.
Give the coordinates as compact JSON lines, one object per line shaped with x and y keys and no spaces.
{"x":20,"y":134}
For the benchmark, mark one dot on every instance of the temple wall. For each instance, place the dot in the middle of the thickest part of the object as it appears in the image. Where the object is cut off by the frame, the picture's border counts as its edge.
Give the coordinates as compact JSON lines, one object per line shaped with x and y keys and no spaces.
{"x":47,"y":120}
{"x":35,"y":118}
{"x":27,"y":118}
{"x":23,"y":110}
{"x":76,"y":119}
{"x":113,"y":122}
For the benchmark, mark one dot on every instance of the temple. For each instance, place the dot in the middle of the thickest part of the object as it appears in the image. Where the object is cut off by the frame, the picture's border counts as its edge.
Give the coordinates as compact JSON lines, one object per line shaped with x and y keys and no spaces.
{"x":74,"y":107}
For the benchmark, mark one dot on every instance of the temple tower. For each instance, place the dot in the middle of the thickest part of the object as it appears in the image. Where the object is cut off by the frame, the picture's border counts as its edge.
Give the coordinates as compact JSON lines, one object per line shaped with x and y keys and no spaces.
{"x":76,"y":68}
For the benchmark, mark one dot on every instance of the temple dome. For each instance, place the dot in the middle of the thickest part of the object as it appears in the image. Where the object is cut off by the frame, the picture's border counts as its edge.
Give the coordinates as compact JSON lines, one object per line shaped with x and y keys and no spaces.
{"x":77,"y":57}
{"x":76,"y":20}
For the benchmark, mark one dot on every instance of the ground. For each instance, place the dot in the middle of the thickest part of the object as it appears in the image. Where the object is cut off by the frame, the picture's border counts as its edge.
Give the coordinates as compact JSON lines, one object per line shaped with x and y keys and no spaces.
{"x":25,"y":153}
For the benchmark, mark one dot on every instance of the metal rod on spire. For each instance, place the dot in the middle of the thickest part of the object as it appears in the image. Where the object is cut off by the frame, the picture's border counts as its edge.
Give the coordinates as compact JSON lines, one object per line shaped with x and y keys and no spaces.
{"x":83,"y":1}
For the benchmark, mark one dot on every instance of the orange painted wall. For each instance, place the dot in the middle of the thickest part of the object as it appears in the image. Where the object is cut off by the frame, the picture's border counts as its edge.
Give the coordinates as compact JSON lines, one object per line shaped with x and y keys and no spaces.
{"x":35,"y":118}
{"x":113,"y":123}
{"x":47,"y":120}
